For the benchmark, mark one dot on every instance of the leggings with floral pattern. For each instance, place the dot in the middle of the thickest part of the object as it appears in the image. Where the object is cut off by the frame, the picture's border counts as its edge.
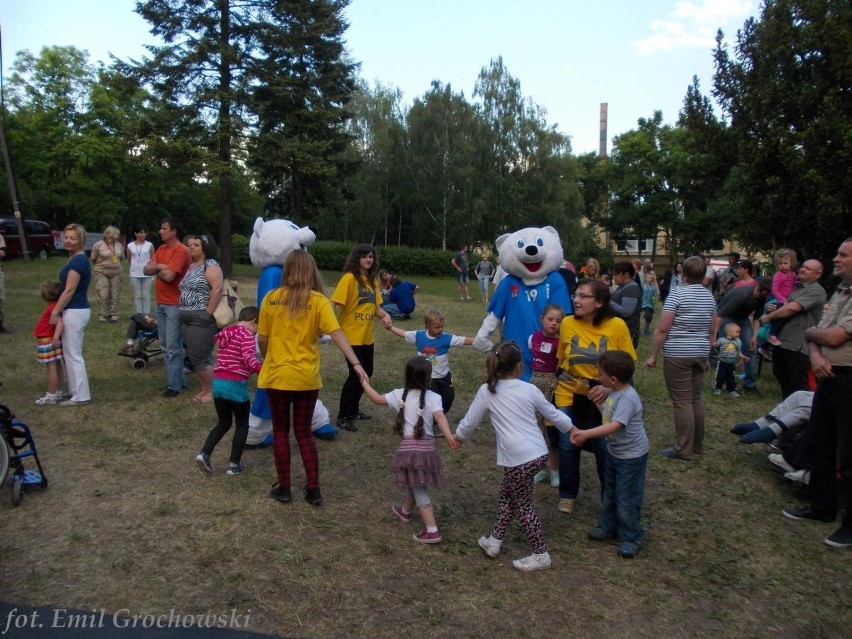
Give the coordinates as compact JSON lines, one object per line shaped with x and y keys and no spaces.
{"x":516,"y":491}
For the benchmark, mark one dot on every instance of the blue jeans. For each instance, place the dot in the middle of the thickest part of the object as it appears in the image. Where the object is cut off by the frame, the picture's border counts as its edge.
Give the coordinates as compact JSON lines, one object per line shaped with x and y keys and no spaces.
{"x":168,"y":327}
{"x":624,"y":490}
{"x":585,"y":415}
{"x":746,"y":333}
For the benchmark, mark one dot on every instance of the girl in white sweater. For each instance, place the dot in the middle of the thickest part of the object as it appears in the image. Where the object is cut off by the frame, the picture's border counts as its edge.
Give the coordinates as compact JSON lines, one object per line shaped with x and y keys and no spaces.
{"x":512,"y":405}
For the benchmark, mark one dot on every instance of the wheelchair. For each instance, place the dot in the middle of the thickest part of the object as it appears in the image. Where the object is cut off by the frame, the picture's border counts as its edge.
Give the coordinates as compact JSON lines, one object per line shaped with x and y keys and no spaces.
{"x":17,"y":445}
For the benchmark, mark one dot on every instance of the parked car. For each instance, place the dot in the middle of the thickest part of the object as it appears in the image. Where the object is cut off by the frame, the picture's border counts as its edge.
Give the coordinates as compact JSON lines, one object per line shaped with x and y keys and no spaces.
{"x":39,"y":238}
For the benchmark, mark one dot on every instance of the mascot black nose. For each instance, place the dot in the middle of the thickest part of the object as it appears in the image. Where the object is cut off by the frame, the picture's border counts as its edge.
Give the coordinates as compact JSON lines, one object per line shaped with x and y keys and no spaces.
{"x":531,"y":249}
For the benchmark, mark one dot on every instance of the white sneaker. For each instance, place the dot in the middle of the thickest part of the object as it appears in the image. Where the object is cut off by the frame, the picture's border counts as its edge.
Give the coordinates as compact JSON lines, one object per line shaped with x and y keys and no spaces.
{"x":540,"y":476}
{"x":778,"y":460}
{"x":735,"y":394}
{"x":554,"y":478}
{"x":533,"y":562}
{"x":490,"y":545}
{"x":799,"y":476}
{"x":717,"y":391}
{"x":47,"y":400}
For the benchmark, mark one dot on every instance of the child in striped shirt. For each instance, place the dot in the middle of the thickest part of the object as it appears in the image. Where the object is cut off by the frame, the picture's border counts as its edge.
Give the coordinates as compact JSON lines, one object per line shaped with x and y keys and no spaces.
{"x":236,"y":360}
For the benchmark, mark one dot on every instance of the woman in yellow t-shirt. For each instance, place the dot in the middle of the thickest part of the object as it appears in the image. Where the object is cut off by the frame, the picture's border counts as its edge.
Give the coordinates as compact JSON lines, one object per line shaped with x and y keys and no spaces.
{"x":291,"y":319}
{"x":583,"y":336}
{"x":358,"y":299}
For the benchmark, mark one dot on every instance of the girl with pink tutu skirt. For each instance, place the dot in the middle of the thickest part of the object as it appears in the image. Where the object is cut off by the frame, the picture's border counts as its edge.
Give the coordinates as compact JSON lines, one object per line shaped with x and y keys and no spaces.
{"x":417,"y":465}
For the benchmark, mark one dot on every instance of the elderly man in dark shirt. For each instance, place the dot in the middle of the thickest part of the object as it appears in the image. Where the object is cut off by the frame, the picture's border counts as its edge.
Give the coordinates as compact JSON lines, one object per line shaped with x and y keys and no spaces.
{"x":737,"y":306}
{"x":791,"y":359}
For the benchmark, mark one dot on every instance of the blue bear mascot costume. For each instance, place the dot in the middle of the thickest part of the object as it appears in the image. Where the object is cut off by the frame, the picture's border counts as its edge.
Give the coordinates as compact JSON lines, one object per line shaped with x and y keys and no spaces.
{"x":270,"y":244}
{"x":531,"y":258}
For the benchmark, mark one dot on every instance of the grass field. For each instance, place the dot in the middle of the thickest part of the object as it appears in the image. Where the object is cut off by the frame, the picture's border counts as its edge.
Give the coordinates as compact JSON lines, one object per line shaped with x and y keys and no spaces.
{"x":128,"y":522}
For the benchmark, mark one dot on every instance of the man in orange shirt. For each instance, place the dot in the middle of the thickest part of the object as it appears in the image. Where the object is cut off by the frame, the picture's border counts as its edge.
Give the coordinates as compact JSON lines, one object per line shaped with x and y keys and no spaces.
{"x":168,"y":266}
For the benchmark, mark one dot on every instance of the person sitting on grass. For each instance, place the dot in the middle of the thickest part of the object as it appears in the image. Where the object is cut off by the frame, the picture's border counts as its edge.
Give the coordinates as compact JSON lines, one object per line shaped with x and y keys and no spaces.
{"x":417,"y":465}
{"x":235,"y":362}
{"x":784,"y":421}
{"x":627,"y":454}
{"x":400,"y":302}
{"x":434,"y":344}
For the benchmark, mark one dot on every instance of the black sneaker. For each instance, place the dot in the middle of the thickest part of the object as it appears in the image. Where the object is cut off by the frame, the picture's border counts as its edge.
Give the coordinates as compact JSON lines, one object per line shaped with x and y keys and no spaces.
{"x":363,"y":416}
{"x":313,"y":496}
{"x":840,"y":538}
{"x":281,"y":494}
{"x":202,"y":460}
{"x":170,"y":392}
{"x":346,"y":424}
{"x":805,"y":514}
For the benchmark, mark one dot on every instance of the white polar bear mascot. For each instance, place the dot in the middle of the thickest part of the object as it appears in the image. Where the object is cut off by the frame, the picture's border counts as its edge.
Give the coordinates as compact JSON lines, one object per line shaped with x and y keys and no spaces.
{"x":531,"y":258}
{"x":269,"y":246}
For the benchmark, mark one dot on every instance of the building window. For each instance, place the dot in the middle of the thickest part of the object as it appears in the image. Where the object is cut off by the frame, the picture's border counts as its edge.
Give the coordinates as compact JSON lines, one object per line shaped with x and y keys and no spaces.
{"x":632,"y":246}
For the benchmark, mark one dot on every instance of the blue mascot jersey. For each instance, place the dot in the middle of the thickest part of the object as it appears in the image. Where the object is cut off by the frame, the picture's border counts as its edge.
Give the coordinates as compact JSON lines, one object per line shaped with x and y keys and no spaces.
{"x":270,"y":279}
{"x":520,"y":306}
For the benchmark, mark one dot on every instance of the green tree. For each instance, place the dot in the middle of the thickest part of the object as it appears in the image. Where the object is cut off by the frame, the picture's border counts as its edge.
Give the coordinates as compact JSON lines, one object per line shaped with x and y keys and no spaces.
{"x":443,"y":161}
{"x":699,"y":158}
{"x":532,"y":179}
{"x":257,"y":82}
{"x":49,"y":98}
{"x":786,"y":90}
{"x":379,"y":133}
{"x":642,"y":198}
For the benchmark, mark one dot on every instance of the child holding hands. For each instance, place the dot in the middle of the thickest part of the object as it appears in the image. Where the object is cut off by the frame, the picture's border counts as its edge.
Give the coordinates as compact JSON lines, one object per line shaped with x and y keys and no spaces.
{"x":543,"y":345}
{"x":49,"y":345}
{"x":434,"y":344}
{"x":235,"y":362}
{"x":512,"y":405}
{"x":417,"y":464}
{"x":627,"y":454}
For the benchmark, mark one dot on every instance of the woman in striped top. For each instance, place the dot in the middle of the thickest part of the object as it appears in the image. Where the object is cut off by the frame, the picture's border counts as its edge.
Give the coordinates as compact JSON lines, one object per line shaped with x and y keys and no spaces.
{"x":200,"y":290}
{"x":683,"y":333}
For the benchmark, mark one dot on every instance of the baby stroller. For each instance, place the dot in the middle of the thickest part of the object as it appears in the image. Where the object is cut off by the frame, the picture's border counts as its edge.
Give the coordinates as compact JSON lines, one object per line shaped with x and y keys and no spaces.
{"x":146,"y":346}
{"x":17,"y":444}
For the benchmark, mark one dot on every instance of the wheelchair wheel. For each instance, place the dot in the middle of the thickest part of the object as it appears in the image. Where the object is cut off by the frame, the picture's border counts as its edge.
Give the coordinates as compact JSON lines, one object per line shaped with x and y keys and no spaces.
{"x":17,"y":490}
{"x":4,"y":460}
{"x":139,"y":363}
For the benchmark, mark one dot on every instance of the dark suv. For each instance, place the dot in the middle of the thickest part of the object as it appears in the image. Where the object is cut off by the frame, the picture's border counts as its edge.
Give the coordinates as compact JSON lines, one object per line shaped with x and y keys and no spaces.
{"x":39,"y":238}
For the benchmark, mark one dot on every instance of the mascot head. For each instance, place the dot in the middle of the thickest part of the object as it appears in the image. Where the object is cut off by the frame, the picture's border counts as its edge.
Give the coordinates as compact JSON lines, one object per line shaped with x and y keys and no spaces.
{"x":274,"y":240}
{"x":530,"y":254}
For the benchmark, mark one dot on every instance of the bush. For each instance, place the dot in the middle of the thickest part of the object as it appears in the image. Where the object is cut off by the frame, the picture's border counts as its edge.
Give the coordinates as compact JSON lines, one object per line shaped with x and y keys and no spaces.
{"x":330,"y":256}
{"x":240,"y":249}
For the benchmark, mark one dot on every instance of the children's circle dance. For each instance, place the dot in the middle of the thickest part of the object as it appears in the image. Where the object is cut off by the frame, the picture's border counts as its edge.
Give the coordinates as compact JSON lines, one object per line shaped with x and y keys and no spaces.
{"x":529,"y":428}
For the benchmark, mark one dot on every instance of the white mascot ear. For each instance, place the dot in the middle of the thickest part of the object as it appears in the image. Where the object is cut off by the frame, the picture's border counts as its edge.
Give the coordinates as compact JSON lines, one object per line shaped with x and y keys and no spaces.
{"x":258,"y":224}
{"x":306,"y":236}
{"x":501,"y":240}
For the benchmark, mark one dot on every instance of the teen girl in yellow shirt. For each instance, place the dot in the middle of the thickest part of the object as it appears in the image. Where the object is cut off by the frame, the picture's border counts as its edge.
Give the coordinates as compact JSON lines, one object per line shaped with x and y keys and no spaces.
{"x":359,"y":300}
{"x":291,"y":319}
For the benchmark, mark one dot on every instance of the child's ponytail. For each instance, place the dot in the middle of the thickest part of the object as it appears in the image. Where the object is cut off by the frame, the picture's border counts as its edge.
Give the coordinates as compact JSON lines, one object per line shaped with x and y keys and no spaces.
{"x":501,"y":361}
{"x":418,"y":376}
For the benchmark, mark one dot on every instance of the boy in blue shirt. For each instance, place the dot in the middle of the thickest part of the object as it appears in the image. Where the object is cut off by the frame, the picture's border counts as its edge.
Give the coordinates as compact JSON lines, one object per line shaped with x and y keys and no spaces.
{"x":627,"y":454}
{"x":399,"y":302}
{"x":434,"y":344}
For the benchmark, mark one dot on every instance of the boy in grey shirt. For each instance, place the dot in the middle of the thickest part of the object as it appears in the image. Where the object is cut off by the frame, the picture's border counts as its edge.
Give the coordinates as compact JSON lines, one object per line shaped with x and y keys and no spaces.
{"x":627,"y":454}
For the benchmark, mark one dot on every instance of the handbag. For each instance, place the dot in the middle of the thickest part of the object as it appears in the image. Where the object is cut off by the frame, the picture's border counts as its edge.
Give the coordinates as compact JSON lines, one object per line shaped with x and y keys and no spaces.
{"x":229,"y":307}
